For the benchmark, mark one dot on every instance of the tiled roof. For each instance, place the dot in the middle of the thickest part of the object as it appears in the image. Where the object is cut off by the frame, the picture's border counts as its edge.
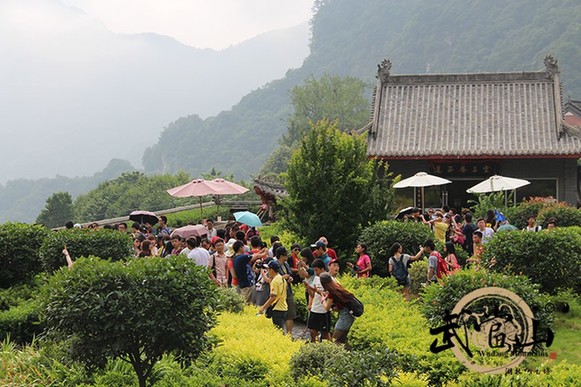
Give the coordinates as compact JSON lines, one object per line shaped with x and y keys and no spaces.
{"x":270,"y":188}
{"x":470,"y":115}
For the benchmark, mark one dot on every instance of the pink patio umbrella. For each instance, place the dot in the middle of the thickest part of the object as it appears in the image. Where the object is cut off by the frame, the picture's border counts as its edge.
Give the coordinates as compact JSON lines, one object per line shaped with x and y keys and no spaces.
{"x":228,"y":188}
{"x":196,"y":187}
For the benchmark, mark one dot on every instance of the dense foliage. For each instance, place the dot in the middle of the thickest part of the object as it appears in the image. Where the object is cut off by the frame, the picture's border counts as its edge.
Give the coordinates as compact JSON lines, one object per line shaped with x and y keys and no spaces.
{"x":332,"y":98}
{"x":251,"y":349}
{"x":565,"y":216}
{"x":323,"y":360}
{"x":21,"y":323}
{"x":561,"y":374}
{"x":441,"y":299}
{"x":129,"y":192}
{"x":382,"y":235}
{"x":329,"y":184}
{"x":137,"y":310}
{"x":389,"y":321}
{"x":551,"y":258}
{"x":418,"y":276}
{"x":19,"y":252}
{"x":519,"y":214}
{"x":103,"y":243}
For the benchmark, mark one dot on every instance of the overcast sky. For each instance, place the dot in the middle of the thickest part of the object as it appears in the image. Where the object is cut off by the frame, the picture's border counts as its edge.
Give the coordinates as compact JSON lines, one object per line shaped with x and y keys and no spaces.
{"x":199,"y":23}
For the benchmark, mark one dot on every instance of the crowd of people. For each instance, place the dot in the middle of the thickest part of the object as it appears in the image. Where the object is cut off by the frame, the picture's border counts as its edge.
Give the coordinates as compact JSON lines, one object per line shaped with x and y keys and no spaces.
{"x":454,"y":230}
{"x":237,"y":257}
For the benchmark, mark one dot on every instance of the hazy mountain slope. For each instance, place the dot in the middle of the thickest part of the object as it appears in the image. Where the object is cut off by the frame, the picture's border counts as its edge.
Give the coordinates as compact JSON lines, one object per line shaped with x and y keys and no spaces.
{"x":351,"y":38}
{"x":23,"y":199}
{"x":73,"y":95}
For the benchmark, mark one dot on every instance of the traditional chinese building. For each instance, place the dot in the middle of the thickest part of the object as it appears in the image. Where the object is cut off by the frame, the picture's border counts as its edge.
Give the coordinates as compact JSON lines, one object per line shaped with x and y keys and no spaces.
{"x":466,"y":127}
{"x":269,"y":192}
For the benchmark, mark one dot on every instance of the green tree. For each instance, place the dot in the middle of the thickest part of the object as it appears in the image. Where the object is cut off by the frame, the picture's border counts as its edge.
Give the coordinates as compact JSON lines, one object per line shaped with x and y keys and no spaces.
{"x":330,"y":183}
{"x":130,"y":191}
{"x":57,"y":211}
{"x":137,"y":311}
{"x":337,"y":99}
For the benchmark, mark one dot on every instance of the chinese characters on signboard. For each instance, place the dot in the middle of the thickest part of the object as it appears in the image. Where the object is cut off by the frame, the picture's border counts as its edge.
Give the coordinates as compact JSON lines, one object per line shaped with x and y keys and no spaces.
{"x":462,"y":168}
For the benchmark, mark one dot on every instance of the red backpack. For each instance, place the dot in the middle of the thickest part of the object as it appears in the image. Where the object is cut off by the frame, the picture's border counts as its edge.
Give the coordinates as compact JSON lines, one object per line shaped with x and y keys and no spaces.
{"x":442,"y":265}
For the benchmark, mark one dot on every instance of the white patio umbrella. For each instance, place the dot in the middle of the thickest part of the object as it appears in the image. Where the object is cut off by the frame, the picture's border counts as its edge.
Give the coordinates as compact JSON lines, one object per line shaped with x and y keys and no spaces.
{"x":421,"y":180}
{"x":497,"y":183}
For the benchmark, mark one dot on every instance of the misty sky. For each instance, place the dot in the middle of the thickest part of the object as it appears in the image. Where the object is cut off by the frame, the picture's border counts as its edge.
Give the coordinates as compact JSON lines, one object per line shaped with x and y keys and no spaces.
{"x":199,"y":23}
{"x":80,"y":84}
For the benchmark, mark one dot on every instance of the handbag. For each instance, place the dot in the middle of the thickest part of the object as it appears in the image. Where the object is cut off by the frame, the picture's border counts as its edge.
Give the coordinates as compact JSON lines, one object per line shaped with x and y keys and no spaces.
{"x":269,"y":310}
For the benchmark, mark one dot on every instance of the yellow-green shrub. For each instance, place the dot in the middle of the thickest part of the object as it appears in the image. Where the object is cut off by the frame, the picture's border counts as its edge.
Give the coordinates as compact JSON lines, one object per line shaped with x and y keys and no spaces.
{"x":389,"y":321}
{"x":246,"y":337}
{"x":562,"y":374}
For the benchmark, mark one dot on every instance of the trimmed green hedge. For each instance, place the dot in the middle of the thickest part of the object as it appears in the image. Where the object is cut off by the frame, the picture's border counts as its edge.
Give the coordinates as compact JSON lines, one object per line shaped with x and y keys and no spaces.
{"x":102,"y":243}
{"x":519,"y":214}
{"x":19,"y":252}
{"x":566,"y":216}
{"x":551,"y":258}
{"x":21,"y":323}
{"x":440,"y":299}
{"x":382,"y":235}
{"x":357,"y":368}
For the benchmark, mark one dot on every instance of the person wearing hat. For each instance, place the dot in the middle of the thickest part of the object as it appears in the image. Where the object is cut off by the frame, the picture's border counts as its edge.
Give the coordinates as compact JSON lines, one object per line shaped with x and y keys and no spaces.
{"x":320,"y":251}
{"x":277,"y":297}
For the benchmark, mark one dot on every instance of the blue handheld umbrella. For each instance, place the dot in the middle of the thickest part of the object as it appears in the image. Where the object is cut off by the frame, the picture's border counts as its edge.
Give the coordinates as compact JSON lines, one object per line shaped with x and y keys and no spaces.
{"x":247,"y":217}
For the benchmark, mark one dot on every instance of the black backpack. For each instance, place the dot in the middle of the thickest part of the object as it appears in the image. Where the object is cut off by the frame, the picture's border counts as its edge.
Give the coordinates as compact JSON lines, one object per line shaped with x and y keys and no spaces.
{"x":400,"y":270}
{"x":355,"y":307}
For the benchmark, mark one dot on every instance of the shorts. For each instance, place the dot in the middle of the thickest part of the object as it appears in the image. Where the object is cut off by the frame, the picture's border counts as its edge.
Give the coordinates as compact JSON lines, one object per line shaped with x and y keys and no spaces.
{"x":279,"y":318}
{"x":292,"y":308}
{"x":345,"y":320}
{"x":404,"y":282}
{"x":319,"y":321}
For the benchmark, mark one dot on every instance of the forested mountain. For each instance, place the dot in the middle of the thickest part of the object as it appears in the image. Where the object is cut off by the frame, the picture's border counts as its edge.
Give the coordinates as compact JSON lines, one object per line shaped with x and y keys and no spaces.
{"x":350,"y":38}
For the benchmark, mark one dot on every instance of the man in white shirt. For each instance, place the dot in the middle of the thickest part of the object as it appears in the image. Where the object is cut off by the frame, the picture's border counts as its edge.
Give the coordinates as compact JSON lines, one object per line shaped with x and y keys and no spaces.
{"x":198,"y":254}
{"x":201,"y":257}
{"x":487,"y":232}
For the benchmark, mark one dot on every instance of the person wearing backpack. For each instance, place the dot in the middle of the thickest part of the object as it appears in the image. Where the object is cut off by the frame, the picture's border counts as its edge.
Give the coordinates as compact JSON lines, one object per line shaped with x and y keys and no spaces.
{"x":340,"y":299}
{"x":398,"y":267}
{"x":437,"y":266}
